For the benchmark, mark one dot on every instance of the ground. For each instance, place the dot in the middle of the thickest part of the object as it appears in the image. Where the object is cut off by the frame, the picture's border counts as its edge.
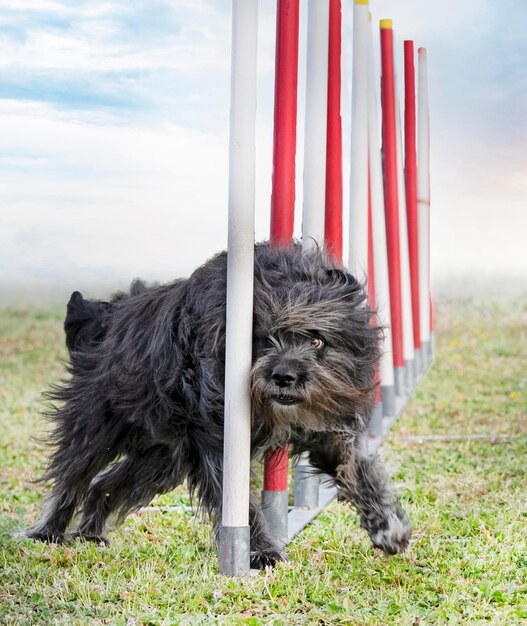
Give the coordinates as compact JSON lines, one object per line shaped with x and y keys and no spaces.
{"x":467,"y":563}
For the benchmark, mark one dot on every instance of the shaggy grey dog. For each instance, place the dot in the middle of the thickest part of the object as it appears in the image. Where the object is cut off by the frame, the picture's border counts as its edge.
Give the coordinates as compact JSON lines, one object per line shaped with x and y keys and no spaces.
{"x":143,"y":408}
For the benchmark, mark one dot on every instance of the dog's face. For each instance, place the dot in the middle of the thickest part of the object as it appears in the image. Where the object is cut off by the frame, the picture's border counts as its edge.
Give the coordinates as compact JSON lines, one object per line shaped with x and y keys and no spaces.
{"x":314,"y":355}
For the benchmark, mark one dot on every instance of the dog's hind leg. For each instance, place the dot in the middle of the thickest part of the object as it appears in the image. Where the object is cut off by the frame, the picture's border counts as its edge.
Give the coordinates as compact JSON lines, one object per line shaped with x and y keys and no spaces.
{"x":80,"y":453}
{"x":364,"y":482}
{"x":52,"y":524}
{"x":60,"y":508}
{"x":128,"y":485}
{"x":63,"y":502}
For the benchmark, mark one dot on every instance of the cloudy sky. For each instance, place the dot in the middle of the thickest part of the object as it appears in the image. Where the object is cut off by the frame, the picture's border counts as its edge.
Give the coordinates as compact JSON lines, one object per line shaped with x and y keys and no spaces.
{"x":114,"y":135}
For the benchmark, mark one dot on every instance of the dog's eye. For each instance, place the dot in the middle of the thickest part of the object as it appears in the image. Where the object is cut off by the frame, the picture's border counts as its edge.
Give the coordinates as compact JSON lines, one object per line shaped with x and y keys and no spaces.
{"x":263,"y":342}
{"x":316,"y":343}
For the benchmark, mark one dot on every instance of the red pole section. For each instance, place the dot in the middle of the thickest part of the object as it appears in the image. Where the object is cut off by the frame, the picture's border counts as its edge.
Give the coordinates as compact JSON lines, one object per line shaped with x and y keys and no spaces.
{"x":283,"y":183}
{"x":276,"y":470}
{"x":410,"y":172}
{"x":333,"y":221}
{"x":389,"y":146}
{"x":285,"y":105}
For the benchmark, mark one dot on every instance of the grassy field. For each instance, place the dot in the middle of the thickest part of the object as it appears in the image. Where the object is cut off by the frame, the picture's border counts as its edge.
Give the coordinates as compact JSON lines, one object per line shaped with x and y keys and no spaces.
{"x":467,"y":563}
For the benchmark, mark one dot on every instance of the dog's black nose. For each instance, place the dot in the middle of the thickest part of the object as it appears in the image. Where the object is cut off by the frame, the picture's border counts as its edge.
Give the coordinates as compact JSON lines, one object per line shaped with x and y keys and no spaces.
{"x":283,"y":377}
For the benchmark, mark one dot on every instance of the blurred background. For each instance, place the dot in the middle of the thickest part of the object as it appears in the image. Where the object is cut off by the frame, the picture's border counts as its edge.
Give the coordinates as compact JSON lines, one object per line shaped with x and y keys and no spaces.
{"x":114,"y":139}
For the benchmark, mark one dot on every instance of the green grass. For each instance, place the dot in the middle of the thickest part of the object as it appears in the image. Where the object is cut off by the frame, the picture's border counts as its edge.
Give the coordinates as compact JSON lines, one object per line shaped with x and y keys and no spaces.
{"x":467,"y":563}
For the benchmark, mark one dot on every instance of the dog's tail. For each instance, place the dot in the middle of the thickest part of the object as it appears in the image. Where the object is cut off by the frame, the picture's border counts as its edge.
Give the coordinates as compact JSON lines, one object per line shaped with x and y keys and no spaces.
{"x":85,"y":322}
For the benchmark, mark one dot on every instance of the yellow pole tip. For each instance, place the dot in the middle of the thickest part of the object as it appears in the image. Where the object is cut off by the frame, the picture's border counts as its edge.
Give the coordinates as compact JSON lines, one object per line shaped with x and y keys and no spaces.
{"x":369,"y":16}
{"x":386,"y":24}
{"x":361,"y":1}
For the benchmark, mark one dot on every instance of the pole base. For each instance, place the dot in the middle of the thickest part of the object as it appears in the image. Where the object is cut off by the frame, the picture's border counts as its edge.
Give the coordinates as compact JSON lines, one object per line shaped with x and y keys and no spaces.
{"x":275,"y":506}
{"x":306,"y":484}
{"x":426,"y":350}
{"x":409,"y":373}
{"x":400,"y":381}
{"x":375,"y":425}
{"x":235,"y":550}
{"x":418,"y":360}
{"x":388,"y":400}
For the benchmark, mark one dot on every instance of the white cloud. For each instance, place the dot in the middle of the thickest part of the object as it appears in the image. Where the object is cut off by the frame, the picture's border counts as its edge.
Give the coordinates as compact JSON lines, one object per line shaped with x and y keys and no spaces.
{"x":133,"y":198}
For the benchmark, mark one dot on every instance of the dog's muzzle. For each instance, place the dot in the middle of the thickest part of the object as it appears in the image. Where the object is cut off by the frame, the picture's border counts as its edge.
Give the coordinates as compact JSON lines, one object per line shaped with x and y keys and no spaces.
{"x":286,"y":400}
{"x":284,"y":381}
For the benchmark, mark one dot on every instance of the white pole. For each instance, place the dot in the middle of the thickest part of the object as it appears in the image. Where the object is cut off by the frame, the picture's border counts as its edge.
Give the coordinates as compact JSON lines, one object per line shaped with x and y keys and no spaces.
{"x":316,"y":124}
{"x":358,"y":222}
{"x":380,"y":254}
{"x":234,"y":532}
{"x":423,"y":201}
{"x":406,"y":289}
{"x":313,"y":208}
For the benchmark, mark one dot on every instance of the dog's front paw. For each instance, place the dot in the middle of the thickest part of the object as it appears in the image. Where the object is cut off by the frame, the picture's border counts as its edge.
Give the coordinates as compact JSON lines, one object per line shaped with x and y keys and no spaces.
{"x":263,"y":558}
{"x":395,"y":537}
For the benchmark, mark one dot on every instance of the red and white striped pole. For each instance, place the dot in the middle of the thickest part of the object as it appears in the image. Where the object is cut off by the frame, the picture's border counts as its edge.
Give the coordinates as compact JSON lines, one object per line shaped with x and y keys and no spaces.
{"x":423,"y":205}
{"x":406,"y":290}
{"x":410,"y":171}
{"x":234,"y":531}
{"x":274,"y":495}
{"x":333,"y":218}
{"x":391,"y":198}
{"x":380,"y":264}
{"x":285,"y":110}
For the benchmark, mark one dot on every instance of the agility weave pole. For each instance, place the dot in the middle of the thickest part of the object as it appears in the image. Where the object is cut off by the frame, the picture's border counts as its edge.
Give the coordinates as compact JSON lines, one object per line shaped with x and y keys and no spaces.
{"x":389,"y":231}
{"x":234,"y":537}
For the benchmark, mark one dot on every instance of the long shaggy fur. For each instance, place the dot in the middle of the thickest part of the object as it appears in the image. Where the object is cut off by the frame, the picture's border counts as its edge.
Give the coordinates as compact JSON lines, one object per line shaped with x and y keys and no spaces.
{"x":143,"y":408}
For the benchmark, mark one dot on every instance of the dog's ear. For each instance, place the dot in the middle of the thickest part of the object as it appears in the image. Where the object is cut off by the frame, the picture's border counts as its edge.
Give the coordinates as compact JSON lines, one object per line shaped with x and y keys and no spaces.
{"x":76,"y":298}
{"x":137,"y":287}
